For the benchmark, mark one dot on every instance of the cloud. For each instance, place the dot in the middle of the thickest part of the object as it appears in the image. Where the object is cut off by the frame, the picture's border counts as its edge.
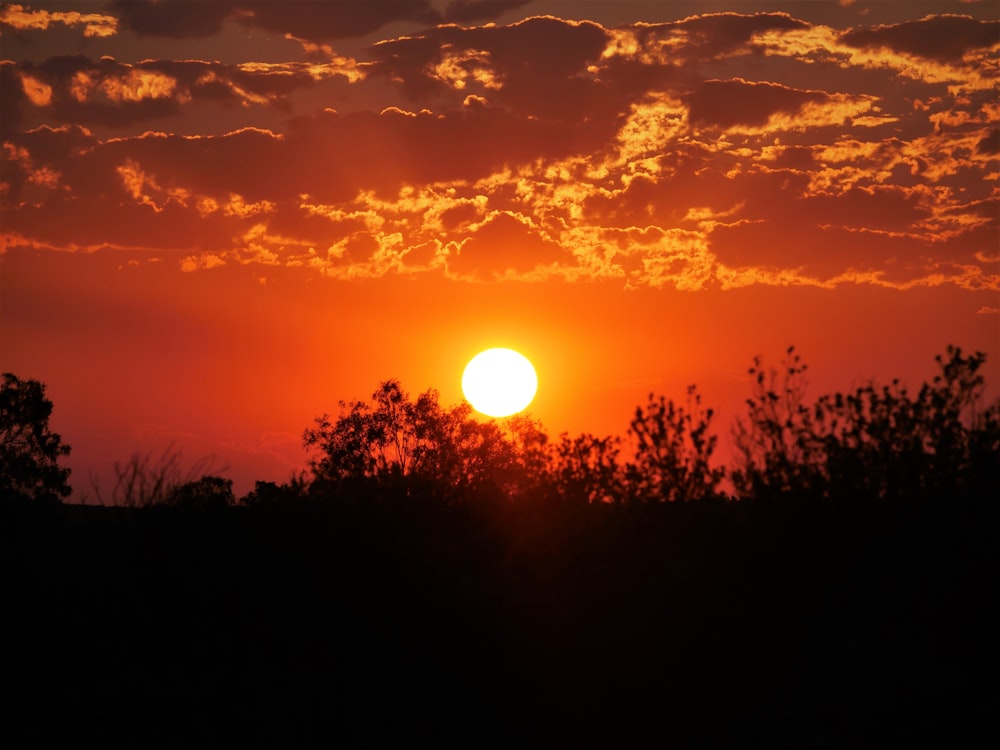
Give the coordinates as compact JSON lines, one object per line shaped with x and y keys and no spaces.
{"x":168,"y":19}
{"x":945,"y":38}
{"x":710,"y":36}
{"x":715,"y":151}
{"x":738,"y":102}
{"x":464,"y":11}
{"x":536,"y":67}
{"x":301,"y":19}
{"x":22,"y":18}
{"x":338,"y":155}
{"x":106,"y":92}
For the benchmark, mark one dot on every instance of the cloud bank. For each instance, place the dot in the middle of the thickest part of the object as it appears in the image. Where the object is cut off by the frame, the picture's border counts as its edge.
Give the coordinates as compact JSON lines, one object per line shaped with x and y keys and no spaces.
{"x":714,"y":151}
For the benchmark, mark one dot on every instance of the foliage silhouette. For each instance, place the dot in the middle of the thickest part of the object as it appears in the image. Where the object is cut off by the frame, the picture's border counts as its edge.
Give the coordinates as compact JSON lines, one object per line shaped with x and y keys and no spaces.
{"x":29,"y":450}
{"x":144,"y":481}
{"x":872,"y":444}
{"x":323,"y":609}
{"x":586,"y":469}
{"x":395,"y":441}
{"x":673,"y":452}
{"x":776,"y":452}
{"x":207,"y":493}
{"x":875,"y":443}
{"x":271,"y":494}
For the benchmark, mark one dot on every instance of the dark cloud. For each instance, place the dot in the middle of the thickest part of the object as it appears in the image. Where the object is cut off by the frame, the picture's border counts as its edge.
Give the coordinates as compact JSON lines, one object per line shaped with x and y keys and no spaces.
{"x":540,"y":45}
{"x":537,"y":67}
{"x":341,"y":154}
{"x":330,"y":157}
{"x":479,"y":10}
{"x":339,"y":19}
{"x":175,"y":19}
{"x":12,"y":99}
{"x":105,"y":92}
{"x":808,"y":250}
{"x":49,"y":149}
{"x":536,"y":143}
{"x":305,"y":19}
{"x":881,"y":208}
{"x":93,"y":221}
{"x":990,"y":144}
{"x":738,"y":102}
{"x":943,"y":38}
{"x":823,"y":236}
{"x":144,"y":192}
{"x":797,"y":158}
{"x":713,"y":35}
{"x":694,"y":177}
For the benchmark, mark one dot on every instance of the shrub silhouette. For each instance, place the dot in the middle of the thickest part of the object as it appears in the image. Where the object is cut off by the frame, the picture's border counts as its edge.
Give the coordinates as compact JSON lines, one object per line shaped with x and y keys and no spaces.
{"x":673,"y":451}
{"x":395,"y":441}
{"x":271,"y":494}
{"x":586,"y":469}
{"x":874,"y":443}
{"x":29,"y":450}
{"x":144,"y":481}
{"x":776,"y":448}
{"x":207,"y":493}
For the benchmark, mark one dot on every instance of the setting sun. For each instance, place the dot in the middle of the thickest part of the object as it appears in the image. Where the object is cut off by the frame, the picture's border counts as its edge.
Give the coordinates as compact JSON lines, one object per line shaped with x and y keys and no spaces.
{"x":499,"y":382}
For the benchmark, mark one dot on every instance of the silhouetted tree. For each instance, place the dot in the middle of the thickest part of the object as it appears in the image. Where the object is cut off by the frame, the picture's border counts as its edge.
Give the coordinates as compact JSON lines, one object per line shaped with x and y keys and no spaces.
{"x":270,"y":494}
{"x":206,"y":493}
{"x":420,"y":445}
{"x":361,"y":441}
{"x":876,"y":442}
{"x":673,"y":451}
{"x":885,"y":442}
{"x":586,"y":469}
{"x":29,"y":450}
{"x":776,"y":449}
{"x":530,"y":447}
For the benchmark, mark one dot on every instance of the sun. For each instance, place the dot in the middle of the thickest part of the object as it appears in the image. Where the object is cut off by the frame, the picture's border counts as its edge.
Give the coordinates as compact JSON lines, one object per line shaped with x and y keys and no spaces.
{"x":499,"y":382}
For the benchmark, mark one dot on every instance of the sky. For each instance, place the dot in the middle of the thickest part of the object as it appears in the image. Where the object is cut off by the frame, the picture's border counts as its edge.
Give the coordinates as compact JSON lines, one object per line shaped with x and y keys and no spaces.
{"x":219,"y":219}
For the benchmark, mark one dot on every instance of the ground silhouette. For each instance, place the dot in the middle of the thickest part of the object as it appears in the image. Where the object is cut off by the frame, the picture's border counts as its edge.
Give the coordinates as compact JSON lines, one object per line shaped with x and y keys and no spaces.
{"x":433,"y":581}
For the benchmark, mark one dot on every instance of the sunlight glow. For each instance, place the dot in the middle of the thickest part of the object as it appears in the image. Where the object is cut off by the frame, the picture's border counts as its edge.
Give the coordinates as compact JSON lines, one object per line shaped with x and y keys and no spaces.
{"x":499,"y":382}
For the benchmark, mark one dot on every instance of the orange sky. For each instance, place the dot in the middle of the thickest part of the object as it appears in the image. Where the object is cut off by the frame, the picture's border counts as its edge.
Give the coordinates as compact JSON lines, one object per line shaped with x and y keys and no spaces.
{"x":216,"y":223}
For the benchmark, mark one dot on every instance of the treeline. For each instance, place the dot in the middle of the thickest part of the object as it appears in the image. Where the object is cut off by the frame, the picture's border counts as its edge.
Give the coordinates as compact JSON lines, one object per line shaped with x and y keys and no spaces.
{"x":875,"y":443}
{"x":433,"y":578}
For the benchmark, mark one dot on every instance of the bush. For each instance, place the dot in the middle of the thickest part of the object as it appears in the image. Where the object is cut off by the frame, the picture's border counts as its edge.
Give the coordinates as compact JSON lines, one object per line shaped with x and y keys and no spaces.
{"x":873,"y":444}
{"x":29,"y":451}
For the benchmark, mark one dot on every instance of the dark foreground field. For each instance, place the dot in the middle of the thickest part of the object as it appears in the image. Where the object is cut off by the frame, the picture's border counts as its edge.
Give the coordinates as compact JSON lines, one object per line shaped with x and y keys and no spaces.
{"x":803,"y":625}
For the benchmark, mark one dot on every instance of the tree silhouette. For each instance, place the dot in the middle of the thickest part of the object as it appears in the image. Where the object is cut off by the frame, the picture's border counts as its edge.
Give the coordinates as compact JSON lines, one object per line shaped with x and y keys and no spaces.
{"x":776,"y":448}
{"x":271,"y":494}
{"x":207,"y":493}
{"x":393,"y":440}
{"x":874,"y":443}
{"x":358,"y":444}
{"x":673,"y":451}
{"x":528,"y":443}
{"x":586,"y":469}
{"x":29,"y":451}
{"x":885,"y":442}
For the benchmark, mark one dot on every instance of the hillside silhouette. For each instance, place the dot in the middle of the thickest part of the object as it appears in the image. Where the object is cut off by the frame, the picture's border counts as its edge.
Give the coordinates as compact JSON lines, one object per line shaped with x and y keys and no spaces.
{"x":433,"y":578}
